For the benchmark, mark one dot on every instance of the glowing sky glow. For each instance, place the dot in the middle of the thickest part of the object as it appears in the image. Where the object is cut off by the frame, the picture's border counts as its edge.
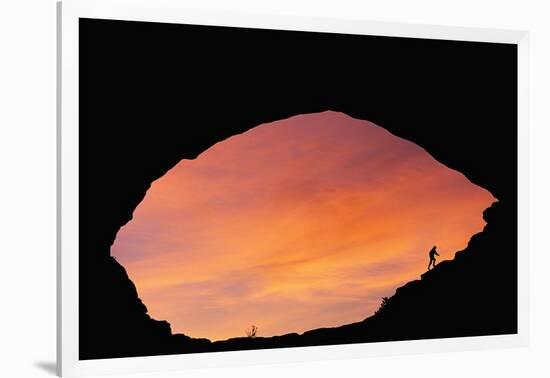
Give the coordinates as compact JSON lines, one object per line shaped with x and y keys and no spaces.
{"x":294,"y":225}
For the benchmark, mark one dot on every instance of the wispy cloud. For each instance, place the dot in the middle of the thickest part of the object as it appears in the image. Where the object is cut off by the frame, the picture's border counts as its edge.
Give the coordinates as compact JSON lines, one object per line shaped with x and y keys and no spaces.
{"x":294,"y":225}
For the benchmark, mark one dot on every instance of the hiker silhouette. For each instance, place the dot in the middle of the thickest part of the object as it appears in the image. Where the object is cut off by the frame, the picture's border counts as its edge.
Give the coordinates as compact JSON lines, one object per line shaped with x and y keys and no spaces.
{"x":432,"y":254}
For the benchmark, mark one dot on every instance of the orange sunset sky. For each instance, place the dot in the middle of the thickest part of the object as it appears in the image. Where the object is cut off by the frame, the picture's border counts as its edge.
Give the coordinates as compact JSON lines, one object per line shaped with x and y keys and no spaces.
{"x":294,"y":225}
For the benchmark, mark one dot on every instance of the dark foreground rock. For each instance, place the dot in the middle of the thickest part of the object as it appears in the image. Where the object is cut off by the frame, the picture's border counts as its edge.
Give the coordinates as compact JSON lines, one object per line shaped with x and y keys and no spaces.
{"x":153,"y":94}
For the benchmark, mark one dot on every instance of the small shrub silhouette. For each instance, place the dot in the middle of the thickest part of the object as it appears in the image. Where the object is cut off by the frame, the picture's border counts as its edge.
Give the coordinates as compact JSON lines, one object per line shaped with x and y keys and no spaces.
{"x":383,"y":305}
{"x":252,"y":331}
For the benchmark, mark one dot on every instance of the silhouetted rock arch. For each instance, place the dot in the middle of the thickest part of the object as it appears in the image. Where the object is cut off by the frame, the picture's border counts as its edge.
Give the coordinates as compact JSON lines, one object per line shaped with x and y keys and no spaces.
{"x":153,"y":94}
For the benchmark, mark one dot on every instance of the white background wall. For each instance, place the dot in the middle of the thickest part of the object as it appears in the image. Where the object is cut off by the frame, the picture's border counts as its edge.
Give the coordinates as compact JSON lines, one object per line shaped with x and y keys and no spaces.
{"x":27,"y":186}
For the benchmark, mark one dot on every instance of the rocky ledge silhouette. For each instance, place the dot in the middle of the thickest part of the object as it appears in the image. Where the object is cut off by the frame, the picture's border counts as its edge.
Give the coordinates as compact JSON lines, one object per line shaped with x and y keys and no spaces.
{"x":471,"y":295}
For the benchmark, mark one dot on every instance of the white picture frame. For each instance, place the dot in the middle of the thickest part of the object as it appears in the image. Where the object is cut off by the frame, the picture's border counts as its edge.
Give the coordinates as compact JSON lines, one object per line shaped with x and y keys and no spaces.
{"x":69,"y":11}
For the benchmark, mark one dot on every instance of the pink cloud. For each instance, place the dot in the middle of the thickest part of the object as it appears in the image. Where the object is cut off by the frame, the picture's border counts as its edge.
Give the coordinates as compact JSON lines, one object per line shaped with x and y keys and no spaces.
{"x":297,"y":224}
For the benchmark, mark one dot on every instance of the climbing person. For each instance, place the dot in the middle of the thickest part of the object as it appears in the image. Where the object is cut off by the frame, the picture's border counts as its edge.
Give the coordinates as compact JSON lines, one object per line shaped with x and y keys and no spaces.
{"x":432,"y":254}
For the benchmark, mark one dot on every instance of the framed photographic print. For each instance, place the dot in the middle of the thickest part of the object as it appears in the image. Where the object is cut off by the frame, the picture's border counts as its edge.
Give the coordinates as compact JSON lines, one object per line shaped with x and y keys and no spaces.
{"x":240,"y":188}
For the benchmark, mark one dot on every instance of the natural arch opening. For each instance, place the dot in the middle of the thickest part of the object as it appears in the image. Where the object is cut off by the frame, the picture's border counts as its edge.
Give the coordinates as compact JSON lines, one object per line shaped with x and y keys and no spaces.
{"x":293,"y":225}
